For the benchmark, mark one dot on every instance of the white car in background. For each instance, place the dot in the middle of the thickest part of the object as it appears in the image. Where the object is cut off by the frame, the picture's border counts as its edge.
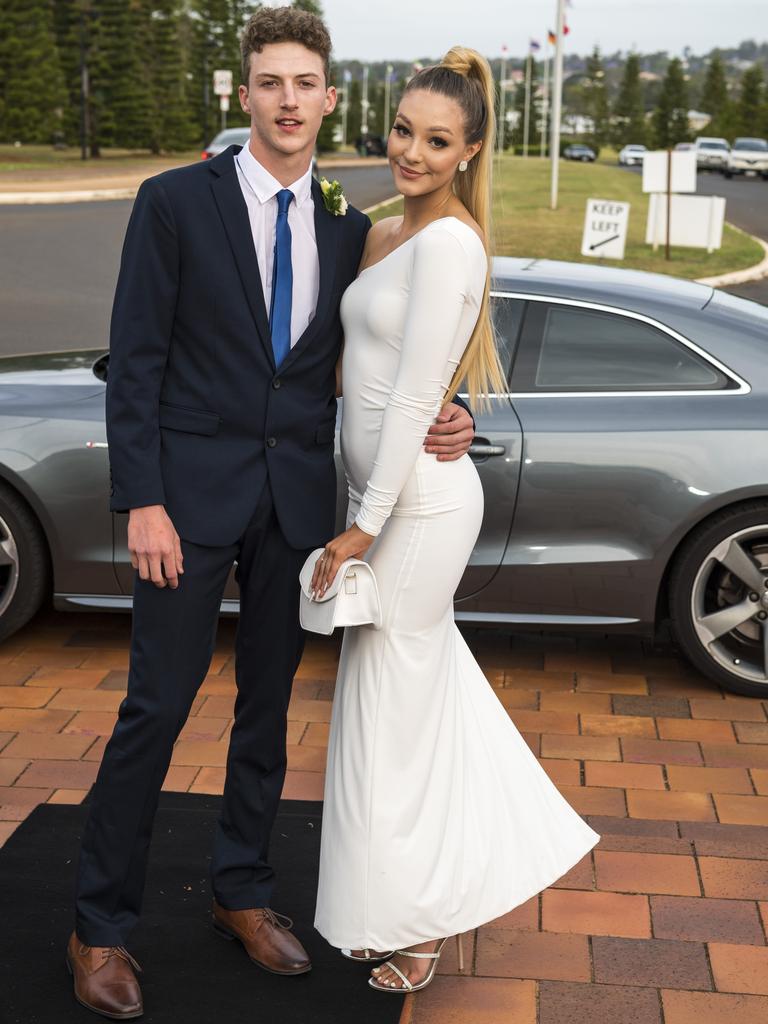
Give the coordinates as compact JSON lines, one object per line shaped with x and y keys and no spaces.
{"x":749,"y":157}
{"x":711,"y":153}
{"x":632,"y":154}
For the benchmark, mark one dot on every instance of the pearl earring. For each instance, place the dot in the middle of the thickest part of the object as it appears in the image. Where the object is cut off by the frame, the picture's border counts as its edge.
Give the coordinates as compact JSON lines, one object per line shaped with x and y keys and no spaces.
{"x":463,"y":165}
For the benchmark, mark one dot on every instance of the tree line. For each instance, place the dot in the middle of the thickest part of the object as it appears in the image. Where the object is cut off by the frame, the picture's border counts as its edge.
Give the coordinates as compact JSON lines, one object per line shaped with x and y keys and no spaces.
{"x":145,"y":68}
{"x":654,"y":112}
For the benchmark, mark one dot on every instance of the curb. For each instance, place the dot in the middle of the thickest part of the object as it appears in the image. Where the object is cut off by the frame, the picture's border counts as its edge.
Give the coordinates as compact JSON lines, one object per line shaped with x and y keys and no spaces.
{"x":753,"y":273}
{"x":377,"y":206}
{"x":82,"y":196}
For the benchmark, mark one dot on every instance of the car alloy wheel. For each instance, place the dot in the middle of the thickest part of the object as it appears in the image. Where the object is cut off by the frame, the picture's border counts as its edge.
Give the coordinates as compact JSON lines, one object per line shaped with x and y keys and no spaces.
{"x":9,"y":566}
{"x":24,"y":562}
{"x":719,"y":599}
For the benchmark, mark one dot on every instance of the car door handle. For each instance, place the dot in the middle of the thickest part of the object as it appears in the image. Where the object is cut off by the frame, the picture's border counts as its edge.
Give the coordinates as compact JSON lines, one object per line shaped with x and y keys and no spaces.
{"x":484,"y":450}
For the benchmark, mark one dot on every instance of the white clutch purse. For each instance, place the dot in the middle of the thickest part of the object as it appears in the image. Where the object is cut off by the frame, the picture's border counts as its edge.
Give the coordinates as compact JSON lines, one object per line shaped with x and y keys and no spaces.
{"x":351,"y":600}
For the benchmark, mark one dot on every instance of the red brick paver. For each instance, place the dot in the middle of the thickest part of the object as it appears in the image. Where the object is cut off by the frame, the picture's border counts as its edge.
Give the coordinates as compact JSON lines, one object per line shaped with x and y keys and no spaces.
{"x":664,"y":922}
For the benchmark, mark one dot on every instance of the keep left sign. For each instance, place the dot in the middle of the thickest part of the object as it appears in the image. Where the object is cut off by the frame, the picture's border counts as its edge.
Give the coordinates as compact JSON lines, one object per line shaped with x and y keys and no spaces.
{"x":605,"y":229}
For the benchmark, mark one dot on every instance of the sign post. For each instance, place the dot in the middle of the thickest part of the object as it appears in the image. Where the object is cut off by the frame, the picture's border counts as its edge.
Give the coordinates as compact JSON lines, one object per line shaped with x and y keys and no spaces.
{"x":605,"y":229}
{"x":665,"y":171}
{"x":222,"y":87}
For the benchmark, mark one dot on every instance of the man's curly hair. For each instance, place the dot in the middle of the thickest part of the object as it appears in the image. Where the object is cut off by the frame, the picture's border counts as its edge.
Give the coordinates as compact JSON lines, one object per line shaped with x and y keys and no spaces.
{"x":284,"y":25}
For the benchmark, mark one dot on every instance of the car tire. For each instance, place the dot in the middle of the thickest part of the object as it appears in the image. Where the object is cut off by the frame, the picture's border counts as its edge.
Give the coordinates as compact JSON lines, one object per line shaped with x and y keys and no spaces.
{"x":728,"y":174}
{"x":720,"y":579}
{"x":24,"y":563}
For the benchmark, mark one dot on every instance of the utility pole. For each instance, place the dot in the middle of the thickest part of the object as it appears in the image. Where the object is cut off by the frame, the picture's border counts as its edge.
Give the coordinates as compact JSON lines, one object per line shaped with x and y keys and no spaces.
{"x":84,"y":90}
{"x":557,"y":102}
{"x":364,"y":125}
{"x":502,"y":78}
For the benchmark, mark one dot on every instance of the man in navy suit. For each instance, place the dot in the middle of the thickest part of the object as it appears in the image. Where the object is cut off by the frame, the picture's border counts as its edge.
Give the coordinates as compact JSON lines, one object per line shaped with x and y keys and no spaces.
{"x":221,"y":417}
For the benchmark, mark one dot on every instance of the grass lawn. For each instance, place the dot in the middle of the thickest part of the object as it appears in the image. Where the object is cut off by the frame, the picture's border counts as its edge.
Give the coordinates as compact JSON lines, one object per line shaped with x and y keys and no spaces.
{"x":17,"y":159}
{"x":524,"y":225}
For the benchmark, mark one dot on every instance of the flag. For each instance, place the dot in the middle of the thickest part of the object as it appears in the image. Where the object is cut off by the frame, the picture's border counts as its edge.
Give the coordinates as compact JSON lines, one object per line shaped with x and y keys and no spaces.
{"x":566,"y":30}
{"x":551,"y":36}
{"x":534,"y":45}
{"x":505,"y":48}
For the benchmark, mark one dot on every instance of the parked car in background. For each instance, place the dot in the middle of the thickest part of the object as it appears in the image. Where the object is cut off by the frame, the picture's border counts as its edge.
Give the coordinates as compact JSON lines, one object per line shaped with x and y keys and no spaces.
{"x":748,"y":156}
{"x":684,"y":147}
{"x":625,"y":470}
{"x":238,"y":137}
{"x":711,"y":153}
{"x":576,"y":151}
{"x":229,"y":137}
{"x":632,"y":154}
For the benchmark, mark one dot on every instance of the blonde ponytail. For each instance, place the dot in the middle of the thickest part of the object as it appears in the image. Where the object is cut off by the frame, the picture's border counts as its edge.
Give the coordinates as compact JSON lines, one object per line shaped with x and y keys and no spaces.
{"x":465,"y":75}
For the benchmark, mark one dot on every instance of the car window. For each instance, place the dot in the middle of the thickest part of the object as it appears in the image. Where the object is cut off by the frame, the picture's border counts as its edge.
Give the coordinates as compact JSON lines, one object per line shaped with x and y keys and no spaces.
{"x":756,"y":144}
{"x":507,"y":316}
{"x":586,"y":349}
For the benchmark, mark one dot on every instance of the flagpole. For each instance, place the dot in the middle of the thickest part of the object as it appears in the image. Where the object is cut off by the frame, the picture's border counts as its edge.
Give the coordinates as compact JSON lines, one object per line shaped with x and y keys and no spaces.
{"x":557,"y":102}
{"x":527,"y":115}
{"x":345,"y":106}
{"x":364,"y":103}
{"x":387,"y":87}
{"x":545,"y":109}
{"x":502,"y":76}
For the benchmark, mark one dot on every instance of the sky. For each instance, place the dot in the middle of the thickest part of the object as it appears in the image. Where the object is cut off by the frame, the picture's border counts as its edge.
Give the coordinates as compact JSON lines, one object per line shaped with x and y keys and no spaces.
{"x":408,"y":29}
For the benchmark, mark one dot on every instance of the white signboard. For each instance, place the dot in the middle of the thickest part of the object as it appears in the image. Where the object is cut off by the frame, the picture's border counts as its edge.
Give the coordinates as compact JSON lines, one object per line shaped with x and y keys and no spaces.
{"x":222,"y":82}
{"x":224,"y":103}
{"x":683,"y":170}
{"x":696,"y":221}
{"x":605,"y":229}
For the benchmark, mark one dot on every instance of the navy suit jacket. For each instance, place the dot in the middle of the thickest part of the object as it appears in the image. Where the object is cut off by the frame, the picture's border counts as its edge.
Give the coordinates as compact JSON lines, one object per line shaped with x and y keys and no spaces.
{"x":198,"y":417}
{"x":197,"y":414}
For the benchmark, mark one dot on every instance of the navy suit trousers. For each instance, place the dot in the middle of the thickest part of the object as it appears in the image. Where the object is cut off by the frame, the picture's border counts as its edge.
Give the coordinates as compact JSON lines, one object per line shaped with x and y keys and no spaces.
{"x":174,"y":634}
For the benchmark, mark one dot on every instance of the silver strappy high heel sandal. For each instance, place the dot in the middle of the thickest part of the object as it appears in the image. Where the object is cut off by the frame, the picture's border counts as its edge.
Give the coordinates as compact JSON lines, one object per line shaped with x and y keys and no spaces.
{"x":368,"y":956}
{"x":407,"y":986}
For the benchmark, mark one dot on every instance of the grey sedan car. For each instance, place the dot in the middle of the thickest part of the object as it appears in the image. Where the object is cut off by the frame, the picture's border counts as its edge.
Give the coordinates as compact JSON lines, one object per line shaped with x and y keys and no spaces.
{"x":625,"y":470}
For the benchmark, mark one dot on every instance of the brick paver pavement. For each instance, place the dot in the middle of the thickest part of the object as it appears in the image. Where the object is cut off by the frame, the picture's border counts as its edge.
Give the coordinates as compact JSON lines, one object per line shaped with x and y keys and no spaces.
{"x":665,"y":922}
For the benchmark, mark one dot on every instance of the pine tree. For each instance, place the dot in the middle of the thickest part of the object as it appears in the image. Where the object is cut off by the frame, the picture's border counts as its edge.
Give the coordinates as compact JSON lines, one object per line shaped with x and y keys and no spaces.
{"x":32,"y":91}
{"x":309,"y":5}
{"x":714,"y":91}
{"x":172,"y":125}
{"x":326,"y":142}
{"x":354,"y":111}
{"x":749,"y":112}
{"x":670,"y":118}
{"x":629,"y":125}
{"x":216,"y":29}
{"x":596,"y":99}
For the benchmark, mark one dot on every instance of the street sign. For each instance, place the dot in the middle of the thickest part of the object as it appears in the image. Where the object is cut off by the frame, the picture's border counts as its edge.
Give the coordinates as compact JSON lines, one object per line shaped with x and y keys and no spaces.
{"x":605,"y":229}
{"x":222,"y":82}
{"x":683,"y":170}
{"x":223,"y":102}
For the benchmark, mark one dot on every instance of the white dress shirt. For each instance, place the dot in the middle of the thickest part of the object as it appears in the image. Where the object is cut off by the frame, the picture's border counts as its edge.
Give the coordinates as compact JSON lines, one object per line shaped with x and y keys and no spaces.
{"x":260,"y":193}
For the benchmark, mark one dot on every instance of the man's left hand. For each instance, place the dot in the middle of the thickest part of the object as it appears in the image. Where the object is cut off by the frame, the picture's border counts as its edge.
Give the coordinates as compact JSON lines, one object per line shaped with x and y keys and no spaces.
{"x":451,"y":434}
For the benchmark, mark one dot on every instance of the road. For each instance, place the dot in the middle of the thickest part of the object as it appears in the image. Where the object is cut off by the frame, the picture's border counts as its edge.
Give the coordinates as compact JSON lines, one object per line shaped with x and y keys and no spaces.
{"x":58,"y":265}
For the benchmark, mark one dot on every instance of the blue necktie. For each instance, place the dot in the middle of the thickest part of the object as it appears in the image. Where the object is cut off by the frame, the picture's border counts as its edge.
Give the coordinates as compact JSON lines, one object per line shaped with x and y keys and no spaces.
{"x":282,"y":281}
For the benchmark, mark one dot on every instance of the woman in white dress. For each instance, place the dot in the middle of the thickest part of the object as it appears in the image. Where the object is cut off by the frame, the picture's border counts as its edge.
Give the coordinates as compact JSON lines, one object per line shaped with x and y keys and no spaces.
{"x":437,"y":816}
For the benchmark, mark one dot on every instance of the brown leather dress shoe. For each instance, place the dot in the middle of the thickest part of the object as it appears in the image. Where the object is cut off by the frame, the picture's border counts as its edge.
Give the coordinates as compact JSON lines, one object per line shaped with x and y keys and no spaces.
{"x":266,"y":937}
{"x":105,"y":981}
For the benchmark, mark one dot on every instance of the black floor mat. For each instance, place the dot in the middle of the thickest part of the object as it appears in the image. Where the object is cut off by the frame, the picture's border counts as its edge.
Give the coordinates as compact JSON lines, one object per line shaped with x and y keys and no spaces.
{"x":191,"y":975}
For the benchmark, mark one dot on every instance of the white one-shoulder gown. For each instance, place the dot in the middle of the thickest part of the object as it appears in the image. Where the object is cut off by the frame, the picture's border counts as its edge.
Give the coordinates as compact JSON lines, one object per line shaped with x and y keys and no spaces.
{"x":437,"y":815}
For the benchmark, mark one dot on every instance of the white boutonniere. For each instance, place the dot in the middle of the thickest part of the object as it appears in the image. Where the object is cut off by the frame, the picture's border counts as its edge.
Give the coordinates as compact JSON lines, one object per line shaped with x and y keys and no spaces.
{"x":334,"y":199}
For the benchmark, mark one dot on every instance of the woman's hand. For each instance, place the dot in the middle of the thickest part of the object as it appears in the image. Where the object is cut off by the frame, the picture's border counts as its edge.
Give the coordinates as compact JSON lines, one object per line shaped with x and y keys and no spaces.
{"x":353,"y":543}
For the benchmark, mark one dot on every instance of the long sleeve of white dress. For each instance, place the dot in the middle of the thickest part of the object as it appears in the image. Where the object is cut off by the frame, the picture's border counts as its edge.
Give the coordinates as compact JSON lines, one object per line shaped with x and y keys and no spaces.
{"x":443,"y":281}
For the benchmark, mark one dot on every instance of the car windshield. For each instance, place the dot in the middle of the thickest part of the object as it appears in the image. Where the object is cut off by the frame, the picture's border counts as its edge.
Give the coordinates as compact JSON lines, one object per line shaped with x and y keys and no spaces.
{"x":712,"y":145}
{"x":231,"y":137}
{"x":758,"y":144}
{"x":638,"y":149}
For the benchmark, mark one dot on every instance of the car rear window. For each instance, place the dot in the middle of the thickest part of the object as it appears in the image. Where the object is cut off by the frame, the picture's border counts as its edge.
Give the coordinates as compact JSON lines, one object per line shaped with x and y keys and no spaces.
{"x":586,"y":349}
